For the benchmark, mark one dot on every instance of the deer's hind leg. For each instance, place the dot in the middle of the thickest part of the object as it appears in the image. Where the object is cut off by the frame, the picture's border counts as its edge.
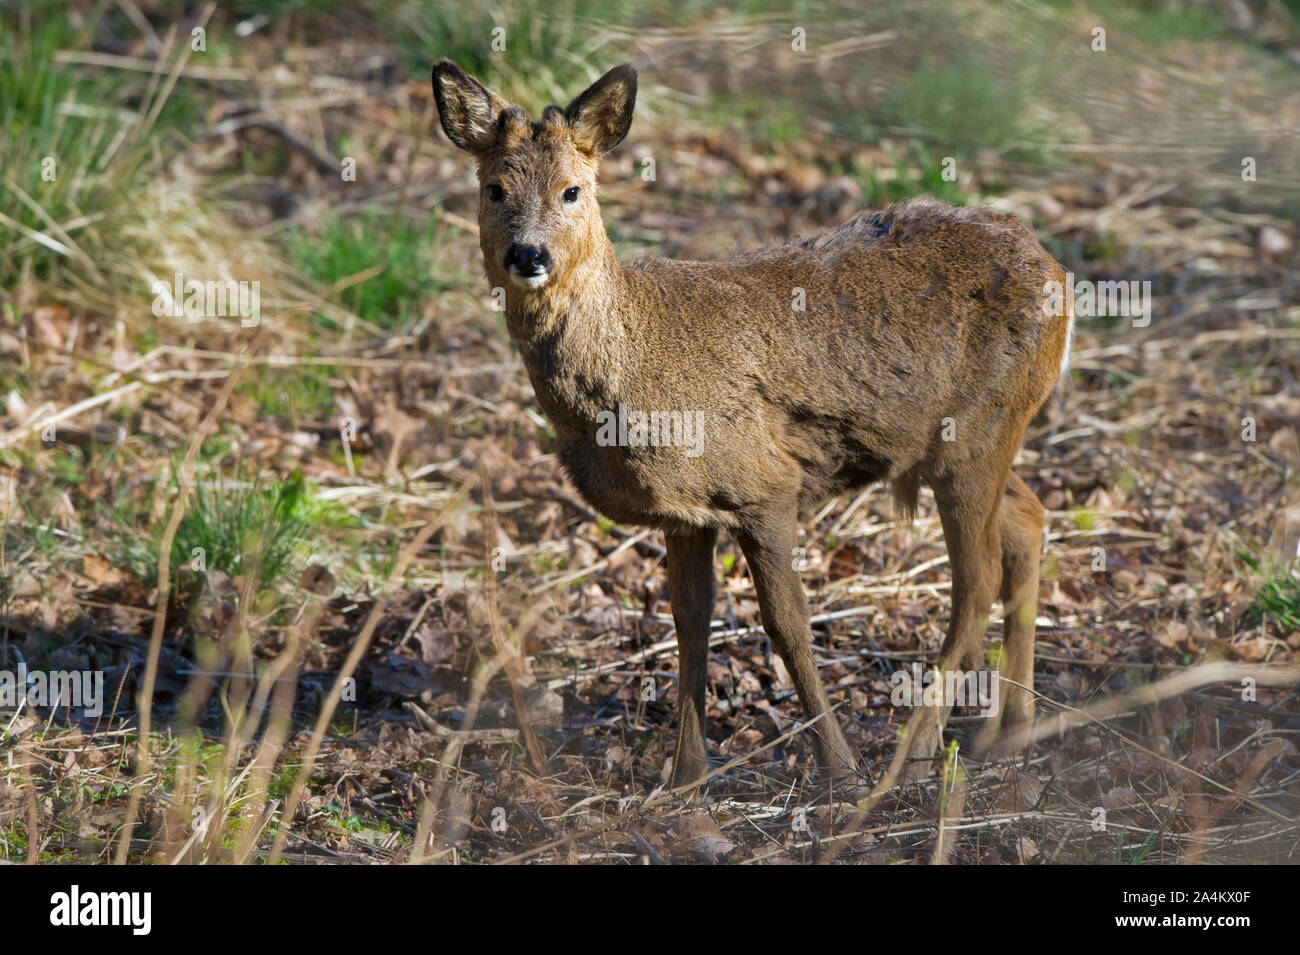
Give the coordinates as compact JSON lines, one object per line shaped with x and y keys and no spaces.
{"x":968,"y":495}
{"x":1021,"y":520}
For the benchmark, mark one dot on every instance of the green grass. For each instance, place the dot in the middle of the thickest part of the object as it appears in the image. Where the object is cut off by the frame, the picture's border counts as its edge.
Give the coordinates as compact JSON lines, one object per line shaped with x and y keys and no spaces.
{"x":346,"y":247}
{"x":278,"y":8}
{"x":1138,"y":855}
{"x":765,"y":122}
{"x":294,"y":393}
{"x":552,"y":51}
{"x":915,"y":173}
{"x":1279,"y":597}
{"x":957,"y":103}
{"x":941,"y":86}
{"x":78,"y":159}
{"x":543,"y":44}
{"x":241,"y":527}
{"x":1151,"y":21}
{"x":255,"y":530}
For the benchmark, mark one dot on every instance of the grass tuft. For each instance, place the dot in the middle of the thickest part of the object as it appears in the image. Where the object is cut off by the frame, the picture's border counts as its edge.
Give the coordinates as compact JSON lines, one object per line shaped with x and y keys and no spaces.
{"x":404,"y":252}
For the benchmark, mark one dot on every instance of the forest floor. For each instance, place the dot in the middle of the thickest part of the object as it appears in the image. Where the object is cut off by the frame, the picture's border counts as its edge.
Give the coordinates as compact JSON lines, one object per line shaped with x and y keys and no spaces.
{"x":387,"y":629}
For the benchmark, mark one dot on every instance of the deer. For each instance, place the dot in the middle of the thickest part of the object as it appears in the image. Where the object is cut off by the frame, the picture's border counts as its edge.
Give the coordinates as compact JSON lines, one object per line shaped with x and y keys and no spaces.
{"x":903,"y":346}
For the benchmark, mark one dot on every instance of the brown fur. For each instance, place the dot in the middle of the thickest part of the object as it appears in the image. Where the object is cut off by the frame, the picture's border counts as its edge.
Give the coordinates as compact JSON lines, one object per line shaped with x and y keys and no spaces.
{"x":917,"y":314}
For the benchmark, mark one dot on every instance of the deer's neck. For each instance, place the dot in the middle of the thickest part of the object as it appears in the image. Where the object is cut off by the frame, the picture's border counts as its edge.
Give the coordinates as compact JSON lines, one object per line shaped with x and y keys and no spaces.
{"x":576,"y":336}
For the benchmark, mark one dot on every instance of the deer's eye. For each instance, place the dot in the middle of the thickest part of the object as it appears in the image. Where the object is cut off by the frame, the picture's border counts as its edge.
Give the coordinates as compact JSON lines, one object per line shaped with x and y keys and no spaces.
{"x":495,"y":192}
{"x":571,"y":194}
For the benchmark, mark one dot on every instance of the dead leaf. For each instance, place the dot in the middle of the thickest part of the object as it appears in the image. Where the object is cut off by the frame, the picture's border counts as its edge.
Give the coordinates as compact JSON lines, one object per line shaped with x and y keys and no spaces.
{"x":317,"y":580}
{"x":45,"y":322}
{"x":1019,"y":791}
{"x":1121,"y":797}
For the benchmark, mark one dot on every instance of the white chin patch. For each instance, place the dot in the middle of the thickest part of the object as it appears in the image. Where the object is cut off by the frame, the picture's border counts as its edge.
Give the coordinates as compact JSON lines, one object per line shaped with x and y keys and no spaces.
{"x":529,"y":281}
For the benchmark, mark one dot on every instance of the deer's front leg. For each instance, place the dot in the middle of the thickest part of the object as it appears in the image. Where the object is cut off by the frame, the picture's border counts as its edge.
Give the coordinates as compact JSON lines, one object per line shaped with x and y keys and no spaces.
{"x":691,"y":588}
{"x":768,"y":544}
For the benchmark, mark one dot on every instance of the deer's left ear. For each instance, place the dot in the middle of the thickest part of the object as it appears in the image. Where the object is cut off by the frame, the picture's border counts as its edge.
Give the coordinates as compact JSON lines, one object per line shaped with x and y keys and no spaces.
{"x":601,"y":116}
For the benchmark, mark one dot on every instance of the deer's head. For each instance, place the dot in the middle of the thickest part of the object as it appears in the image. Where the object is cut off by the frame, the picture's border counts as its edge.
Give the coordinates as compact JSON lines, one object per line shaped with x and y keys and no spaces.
{"x":538,"y":217}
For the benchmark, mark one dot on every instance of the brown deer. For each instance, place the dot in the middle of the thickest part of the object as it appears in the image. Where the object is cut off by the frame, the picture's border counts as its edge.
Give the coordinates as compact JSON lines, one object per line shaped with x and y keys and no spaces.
{"x":908,"y":345}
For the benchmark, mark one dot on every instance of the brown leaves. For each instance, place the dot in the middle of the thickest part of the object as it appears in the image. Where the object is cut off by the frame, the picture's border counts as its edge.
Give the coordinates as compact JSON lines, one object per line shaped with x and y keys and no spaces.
{"x":48,"y":325}
{"x":317,"y":580}
{"x":1019,"y":791}
{"x":100,"y":572}
{"x":395,"y":430}
{"x":11,"y":803}
{"x":695,"y":837}
{"x":1120,"y":798}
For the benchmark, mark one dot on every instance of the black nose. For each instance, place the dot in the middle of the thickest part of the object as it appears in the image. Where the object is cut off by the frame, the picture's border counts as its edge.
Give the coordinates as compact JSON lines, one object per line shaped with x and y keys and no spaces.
{"x":528,"y":259}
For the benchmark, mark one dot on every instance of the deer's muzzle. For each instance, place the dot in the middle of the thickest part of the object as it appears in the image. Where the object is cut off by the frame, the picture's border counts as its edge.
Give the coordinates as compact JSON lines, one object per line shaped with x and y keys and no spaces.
{"x":528,"y":265}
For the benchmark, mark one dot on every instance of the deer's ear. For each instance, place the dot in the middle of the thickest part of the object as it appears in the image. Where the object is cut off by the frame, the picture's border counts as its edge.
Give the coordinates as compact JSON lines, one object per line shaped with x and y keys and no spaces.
{"x":601,"y":116}
{"x":467,"y":108}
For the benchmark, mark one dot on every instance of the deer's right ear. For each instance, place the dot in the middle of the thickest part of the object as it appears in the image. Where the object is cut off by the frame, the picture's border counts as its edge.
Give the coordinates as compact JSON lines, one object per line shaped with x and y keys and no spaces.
{"x":467,"y":108}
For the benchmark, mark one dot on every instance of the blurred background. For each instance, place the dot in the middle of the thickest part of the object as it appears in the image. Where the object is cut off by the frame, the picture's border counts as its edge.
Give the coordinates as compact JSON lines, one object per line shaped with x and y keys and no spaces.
{"x":365,"y":424}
